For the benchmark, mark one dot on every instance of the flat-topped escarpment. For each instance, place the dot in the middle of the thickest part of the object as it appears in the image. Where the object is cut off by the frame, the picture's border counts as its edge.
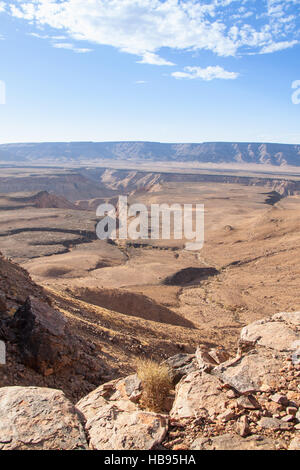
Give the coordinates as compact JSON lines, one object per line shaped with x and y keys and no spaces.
{"x":213,"y":152}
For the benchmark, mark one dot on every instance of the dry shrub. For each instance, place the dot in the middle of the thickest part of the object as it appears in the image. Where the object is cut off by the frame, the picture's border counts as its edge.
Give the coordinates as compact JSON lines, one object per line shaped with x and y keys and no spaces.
{"x":156,"y":384}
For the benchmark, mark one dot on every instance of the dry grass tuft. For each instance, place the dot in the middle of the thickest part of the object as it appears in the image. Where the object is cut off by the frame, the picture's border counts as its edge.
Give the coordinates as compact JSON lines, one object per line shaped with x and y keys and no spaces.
{"x":156,"y":383}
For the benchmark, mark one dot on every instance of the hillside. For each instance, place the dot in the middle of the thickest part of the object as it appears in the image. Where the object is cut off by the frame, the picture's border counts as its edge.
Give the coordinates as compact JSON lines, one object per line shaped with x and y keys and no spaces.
{"x":214,"y":152}
{"x":213,"y":402}
{"x":60,"y":342}
{"x":45,"y":200}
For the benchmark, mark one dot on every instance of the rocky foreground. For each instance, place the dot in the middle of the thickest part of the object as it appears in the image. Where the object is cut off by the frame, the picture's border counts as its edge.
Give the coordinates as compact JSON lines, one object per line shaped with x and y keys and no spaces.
{"x":250,"y":402}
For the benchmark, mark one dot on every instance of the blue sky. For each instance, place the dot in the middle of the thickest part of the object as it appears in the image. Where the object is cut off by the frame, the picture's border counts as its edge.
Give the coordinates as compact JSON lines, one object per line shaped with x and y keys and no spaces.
{"x":157,"y":70}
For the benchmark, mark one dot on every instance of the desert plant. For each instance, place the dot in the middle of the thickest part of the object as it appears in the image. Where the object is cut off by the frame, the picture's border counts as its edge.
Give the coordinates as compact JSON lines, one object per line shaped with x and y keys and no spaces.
{"x":156,"y":384}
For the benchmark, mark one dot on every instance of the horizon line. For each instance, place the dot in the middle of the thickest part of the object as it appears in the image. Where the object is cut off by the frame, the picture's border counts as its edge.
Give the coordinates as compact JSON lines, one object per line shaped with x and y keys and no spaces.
{"x":146,"y":142}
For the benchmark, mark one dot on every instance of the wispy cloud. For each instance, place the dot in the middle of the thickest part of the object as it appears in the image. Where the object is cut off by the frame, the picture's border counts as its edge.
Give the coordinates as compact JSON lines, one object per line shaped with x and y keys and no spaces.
{"x":46,"y":36}
{"x":146,"y":28}
{"x":278,"y":46}
{"x":71,"y":47}
{"x":154,"y":59}
{"x":207,"y":74}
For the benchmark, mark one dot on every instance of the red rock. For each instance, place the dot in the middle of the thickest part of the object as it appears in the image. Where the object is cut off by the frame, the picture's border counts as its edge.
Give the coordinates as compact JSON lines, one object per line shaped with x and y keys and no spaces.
{"x":280,"y":399}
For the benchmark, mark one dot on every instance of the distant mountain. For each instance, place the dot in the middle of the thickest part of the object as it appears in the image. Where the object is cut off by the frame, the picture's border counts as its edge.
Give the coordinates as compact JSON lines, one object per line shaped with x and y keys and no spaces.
{"x":209,"y":152}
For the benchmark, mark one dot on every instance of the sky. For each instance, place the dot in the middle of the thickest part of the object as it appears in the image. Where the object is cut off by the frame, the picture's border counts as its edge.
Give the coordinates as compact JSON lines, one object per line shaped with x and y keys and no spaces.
{"x":150,"y":70}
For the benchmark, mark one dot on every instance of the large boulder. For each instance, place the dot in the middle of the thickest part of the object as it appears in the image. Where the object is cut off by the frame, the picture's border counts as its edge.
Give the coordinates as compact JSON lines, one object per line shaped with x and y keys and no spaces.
{"x":251,"y":372}
{"x":279,"y":333}
{"x":115,"y":429}
{"x":198,"y":394}
{"x":123,"y":393}
{"x":38,"y":419}
{"x":43,"y":338}
{"x":114,"y":421}
{"x":270,"y":342}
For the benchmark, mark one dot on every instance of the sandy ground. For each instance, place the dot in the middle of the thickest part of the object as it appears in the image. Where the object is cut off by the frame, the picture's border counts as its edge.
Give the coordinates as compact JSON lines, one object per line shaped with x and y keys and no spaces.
{"x":254,"y":247}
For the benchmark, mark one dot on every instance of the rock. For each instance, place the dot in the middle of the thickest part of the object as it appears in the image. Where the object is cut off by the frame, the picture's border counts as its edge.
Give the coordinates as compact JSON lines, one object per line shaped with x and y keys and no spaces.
{"x":296,"y":357}
{"x":292,"y":318}
{"x":276,"y":333}
{"x":180,"y":447}
{"x":255,"y":415}
{"x":280,"y":399}
{"x":43,"y":337}
{"x":227,"y":415}
{"x":123,"y":393}
{"x":294,"y":398}
{"x":295,"y":443}
{"x":219,"y":355}
{"x":132,"y":387}
{"x":272,"y":407}
{"x":244,"y":347}
{"x":249,"y":373}
{"x":209,"y":358}
{"x":231,"y":394}
{"x":181,"y":365}
{"x":274,"y":423}
{"x":204,"y":360}
{"x":266,"y":388}
{"x":248,"y":403}
{"x":34,"y":418}
{"x":233,"y":442}
{"x":297,"y":416}
{"x":243,"y":427}
{"x":198,"y":394}
{"x":288,"y":418}
{"x":114,"y":429}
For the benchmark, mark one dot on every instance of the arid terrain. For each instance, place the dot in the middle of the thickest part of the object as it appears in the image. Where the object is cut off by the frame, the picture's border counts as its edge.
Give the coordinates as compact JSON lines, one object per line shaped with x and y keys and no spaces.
{"x":127,"y":299}
{"x":247,"y":269}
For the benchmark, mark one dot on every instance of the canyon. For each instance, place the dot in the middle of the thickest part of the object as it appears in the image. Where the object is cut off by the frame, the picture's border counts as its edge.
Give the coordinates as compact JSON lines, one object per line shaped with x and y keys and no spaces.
{"x":78,"y":312}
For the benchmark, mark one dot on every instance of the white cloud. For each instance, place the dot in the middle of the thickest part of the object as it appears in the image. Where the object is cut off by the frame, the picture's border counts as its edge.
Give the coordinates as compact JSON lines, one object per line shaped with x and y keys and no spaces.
{"x":278,"y":46}
{"x":154,"y":59}
{"x":148,"y":27}
{"x":71,"y":47}
{"x":46,"y":36}
{"x":207,"y":74}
